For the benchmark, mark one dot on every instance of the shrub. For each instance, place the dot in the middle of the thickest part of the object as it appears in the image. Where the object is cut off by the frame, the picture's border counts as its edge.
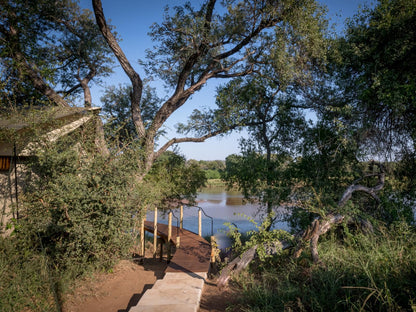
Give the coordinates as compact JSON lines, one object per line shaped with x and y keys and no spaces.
{"x":362,"y":273}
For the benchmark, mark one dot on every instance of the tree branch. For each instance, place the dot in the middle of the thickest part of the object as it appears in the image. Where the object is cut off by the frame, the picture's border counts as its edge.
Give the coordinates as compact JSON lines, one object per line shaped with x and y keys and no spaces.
{"x":369,"y":190}
{"x":66,"y":92}
{"x":192,"y":139}
{"x":263,"y":25}
{"x":180,"y":96}
{"x":201,"y":50}
{"x":125,"y":64}
{"x":25,"y":69}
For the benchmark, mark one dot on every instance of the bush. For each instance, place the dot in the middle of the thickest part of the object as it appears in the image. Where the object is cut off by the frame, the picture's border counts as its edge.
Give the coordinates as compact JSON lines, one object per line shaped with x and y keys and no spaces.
{"x":363,"y":273}
{"x":212,"y":174}
{"x":81,"y":209}
{"x":77,"y":215}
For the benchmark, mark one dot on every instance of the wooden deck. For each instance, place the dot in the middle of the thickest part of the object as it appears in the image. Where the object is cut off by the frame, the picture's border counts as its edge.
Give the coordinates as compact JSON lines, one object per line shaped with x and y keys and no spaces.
{"x":193,"y":255}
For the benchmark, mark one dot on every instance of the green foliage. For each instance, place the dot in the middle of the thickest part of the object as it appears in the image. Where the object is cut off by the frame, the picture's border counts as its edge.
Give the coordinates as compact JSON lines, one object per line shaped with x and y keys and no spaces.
{"x":117,"y":107}
{"x":295,"y":38}
{"x":291,"y":47}
{"x":370,"y":273}
{"x":212,"y":174}
{"x":79,"y":207}
{"x":79,"y":210}
{"x":171,"y":179}
{"x":217,"y":165}
{"x":77,"y":215}
{"x":261,"y":237}
{"x":46,"y":45}
{"x":213,"y":168}
{"x":27,"y":280}
{"x":276,"y":128}
{"x":373,"y":71}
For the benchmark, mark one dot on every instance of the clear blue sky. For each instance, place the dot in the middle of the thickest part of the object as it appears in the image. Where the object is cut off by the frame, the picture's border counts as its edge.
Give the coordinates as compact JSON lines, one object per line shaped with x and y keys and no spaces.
{"x":132,"y":20}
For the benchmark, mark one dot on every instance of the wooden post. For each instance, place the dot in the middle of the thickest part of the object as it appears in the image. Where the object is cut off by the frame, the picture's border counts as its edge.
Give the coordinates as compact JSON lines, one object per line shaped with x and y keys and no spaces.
{"x":160,"y":240}
{"x":213,"y":248}
{"x":169,"y":234}
{"x":199,"y":222}
{"x":178,"y":241}
{"x":142,"y":241}
{"x":213,"y":268}
{"x":181,"y":218}
{"x":155,"y":234}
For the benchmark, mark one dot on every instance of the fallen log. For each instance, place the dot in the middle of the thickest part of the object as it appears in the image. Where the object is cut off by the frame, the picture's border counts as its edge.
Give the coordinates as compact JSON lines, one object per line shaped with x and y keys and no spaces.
{"x":241,"y":262}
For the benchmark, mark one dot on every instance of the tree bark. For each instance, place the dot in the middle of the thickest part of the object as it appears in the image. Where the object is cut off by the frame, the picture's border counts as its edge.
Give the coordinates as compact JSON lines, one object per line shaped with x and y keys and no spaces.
{"x":135,"y":79}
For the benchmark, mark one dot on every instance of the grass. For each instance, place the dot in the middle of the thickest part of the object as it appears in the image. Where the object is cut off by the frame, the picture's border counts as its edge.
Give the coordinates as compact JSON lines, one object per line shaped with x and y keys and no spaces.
{"x":360,"y":273}
{"x":26,"y":280}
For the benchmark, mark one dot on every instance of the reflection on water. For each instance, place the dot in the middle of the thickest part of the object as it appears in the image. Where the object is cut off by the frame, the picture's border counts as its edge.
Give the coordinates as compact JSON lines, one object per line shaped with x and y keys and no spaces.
{"x":224,"y":207}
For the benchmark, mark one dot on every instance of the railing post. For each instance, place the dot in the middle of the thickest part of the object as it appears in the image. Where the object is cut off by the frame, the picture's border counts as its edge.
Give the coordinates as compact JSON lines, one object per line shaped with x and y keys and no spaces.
{"x":199,"y":222}
{"x":155,"y":233}
{"x":142,"y":241}
{"x":169,"y":234}
{"x":181,"y":218}
{"x":213,"y":268}
{"x":178,"y":241}
{"x":160,"y":240}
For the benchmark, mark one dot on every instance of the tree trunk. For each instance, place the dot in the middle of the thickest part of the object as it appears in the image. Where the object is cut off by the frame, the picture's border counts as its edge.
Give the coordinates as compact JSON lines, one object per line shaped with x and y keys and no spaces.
{"x":100,"y":142}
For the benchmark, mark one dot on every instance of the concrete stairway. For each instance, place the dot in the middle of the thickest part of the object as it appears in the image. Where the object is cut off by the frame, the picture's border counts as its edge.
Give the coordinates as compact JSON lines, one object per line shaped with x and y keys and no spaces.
{"x":176,"y":292}
{"x":180,"y":289}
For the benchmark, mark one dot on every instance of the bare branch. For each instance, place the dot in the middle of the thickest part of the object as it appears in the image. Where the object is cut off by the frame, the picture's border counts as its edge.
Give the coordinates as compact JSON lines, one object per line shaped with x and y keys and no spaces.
{"x":66,"y":92}
{"x":192,"y":139}
{"x":369,"y":190}
{"x":263,"y":25}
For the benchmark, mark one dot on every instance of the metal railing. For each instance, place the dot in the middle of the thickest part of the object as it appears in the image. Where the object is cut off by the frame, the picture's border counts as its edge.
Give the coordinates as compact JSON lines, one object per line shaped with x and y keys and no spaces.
{"x":200,"y":221}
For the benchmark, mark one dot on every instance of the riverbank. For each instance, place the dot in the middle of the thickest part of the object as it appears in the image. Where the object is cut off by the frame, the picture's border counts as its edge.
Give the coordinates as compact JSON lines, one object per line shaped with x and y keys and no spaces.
{"x":215,"y":183}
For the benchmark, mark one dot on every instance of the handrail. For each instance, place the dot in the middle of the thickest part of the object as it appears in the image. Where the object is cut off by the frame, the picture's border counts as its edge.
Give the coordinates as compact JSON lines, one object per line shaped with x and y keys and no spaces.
{"x":212,"y":219}
{"x":200,"y":209}
{"x":177,"y":221}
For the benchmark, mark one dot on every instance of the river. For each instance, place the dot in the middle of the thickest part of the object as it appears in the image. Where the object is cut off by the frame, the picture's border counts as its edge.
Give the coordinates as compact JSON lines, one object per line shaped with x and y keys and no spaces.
{"x":223,"y":207}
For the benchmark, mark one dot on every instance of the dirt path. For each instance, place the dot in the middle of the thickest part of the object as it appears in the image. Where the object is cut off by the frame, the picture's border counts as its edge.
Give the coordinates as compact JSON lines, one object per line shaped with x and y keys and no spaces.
{"x":120,"y":290}
{"x":116,"y":291}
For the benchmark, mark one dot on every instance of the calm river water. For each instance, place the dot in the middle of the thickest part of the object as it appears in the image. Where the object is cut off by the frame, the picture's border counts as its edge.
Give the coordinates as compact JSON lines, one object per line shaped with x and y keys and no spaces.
{"x":222,"y":206}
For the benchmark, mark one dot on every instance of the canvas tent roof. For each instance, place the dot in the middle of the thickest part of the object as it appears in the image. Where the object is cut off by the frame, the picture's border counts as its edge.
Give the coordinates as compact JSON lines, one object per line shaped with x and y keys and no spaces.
{"x":53,"y":123}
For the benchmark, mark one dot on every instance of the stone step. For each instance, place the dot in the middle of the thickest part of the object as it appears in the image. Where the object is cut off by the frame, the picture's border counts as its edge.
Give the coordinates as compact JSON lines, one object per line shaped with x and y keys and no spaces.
{"x":166,"y":308}
{"x":176,"y":292}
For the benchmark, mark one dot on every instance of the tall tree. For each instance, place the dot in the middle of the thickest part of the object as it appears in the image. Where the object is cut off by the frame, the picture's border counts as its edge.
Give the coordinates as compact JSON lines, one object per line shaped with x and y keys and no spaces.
{"x":276,"y":125}
{"x":224,"y":41}
{"x":374,"y":69}
{"x":49,"y":45}
{"x":365,"y":110}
